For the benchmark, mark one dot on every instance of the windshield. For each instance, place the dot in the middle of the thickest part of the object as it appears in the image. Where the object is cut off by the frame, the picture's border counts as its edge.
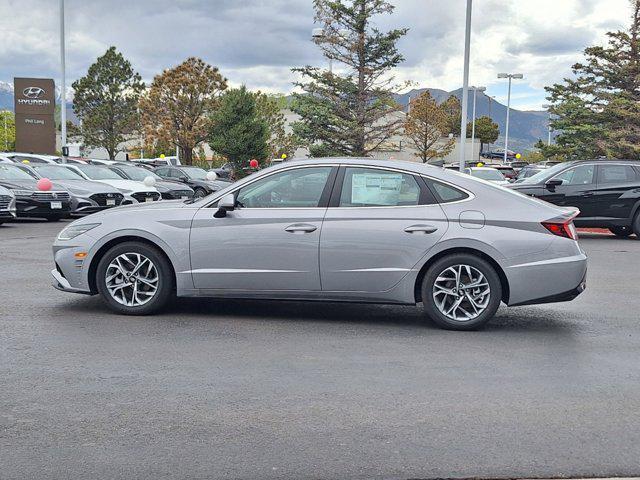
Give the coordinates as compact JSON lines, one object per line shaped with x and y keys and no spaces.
{"x":488,"y":174}
{"x":99,"y":173}
{"x":9,"y":172}
{"x":137,"y":173}
{"x":544,"y":174}
{"x":195,"y":173}
{"x":56,"y":173}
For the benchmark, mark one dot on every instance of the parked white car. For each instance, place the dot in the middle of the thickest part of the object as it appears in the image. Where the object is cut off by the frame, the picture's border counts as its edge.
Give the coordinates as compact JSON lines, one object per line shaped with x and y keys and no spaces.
{"x":134,"y":192}
{"x":18,"y":157}
{"x":487,"y":173}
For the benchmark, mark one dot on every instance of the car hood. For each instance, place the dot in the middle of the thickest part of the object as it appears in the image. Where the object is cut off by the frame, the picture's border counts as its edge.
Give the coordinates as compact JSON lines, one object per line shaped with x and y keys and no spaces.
{"x":86,"y":187}
{"x":166,"y":186}
{"x":29,"y":185}
{"x":129,"y":185}
{"x":212,"y":184}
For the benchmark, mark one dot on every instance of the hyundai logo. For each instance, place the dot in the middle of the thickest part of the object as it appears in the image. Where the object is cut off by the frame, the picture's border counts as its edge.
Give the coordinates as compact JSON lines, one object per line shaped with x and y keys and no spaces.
{"x":33,"y":92}
{"x":54,"y":195}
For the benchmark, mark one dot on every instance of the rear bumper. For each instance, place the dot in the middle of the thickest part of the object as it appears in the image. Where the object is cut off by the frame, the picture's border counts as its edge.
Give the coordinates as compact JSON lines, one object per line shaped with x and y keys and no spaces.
{"x":557,"y":298}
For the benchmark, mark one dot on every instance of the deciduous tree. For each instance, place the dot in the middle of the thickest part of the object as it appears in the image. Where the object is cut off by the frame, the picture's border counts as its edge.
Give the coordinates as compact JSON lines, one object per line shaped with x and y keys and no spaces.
{"x":7,"y":131}
{"x":280,"y":141}
{"x":486,"y":131}
{"x":425,"y":126}
{"x":178,"y":107}
{"x":350,"y":110}
{"x":106,"y":100}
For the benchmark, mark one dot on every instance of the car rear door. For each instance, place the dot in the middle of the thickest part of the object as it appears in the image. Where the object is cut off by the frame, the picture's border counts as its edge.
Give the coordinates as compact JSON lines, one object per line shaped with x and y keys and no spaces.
{"x":270,"y":241}
{"x":618,"y":190}
{"x":380,"y":223}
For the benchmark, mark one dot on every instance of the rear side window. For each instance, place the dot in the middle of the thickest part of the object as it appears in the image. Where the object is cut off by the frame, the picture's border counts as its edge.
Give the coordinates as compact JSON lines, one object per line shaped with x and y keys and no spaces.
{"x":369,"y":187}
{"x":616,"y":174}
{"x":162,"y":171}
{"x":446,"y":193}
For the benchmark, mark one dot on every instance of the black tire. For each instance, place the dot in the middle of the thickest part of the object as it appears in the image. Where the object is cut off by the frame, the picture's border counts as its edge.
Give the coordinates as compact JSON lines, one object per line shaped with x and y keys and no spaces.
{"x":166,"y":280}
{"x":621,"y":232}
{"x":438,"y":268}
{"x":199,"y":192}
{"x":636,"y":225}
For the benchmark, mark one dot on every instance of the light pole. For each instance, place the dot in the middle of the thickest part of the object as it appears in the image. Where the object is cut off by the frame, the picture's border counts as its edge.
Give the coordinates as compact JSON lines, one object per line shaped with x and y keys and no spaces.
{"x":473,"y":121}
{"x":546,"y":106}
{"x":63,"y":96}
{"x":465,"y":86}
{"x":491,"y":99}
{"x":510,"y":76}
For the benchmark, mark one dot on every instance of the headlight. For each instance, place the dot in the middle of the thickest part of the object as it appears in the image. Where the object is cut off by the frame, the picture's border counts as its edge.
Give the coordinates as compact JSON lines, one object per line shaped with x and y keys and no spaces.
{"x":22,"y":193}
{"x":72,"y":231}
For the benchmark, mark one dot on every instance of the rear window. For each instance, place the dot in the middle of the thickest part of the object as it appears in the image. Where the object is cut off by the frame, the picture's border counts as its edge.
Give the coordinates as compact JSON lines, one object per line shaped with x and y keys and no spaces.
{"x":446,"y":193}
{"x":616,"y":174}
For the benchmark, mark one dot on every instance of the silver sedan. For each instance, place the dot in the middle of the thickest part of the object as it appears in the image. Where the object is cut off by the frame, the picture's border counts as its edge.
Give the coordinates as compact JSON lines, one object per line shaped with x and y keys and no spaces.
{"x":334,"y":230}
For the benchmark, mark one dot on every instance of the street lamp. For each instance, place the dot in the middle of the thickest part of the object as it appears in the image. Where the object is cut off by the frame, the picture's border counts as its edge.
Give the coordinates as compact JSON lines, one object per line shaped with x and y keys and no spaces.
{"x":465,"y":86}
{"x":63,"y":96}
{"x":510,"y":76}
{"x":473,"y":125}
{"x":546,"y":106}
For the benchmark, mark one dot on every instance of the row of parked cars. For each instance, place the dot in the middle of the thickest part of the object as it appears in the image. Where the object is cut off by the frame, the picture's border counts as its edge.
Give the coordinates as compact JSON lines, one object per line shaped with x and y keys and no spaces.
{"x":83,"y":186}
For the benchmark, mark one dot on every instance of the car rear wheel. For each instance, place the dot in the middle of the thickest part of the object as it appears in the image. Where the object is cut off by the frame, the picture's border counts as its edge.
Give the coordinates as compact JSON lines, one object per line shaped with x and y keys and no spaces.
{"x":621,"y":231}
{"x":134,"y":278}
{"x":461,"y":292}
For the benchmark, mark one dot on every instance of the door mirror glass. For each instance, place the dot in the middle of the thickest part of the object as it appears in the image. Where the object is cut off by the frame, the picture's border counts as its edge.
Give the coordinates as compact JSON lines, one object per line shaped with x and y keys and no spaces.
{"x":225,"y":204}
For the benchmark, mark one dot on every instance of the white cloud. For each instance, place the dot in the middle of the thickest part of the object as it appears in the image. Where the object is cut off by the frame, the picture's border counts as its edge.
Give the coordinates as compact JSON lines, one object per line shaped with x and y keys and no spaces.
{"x":257,"y":41}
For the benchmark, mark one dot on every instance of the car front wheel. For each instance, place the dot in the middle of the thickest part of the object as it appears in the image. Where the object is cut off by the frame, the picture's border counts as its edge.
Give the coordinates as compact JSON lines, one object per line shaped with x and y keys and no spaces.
{"x":199,"y":193}
{"x":134,"y":278}
{"x":461,"y":292}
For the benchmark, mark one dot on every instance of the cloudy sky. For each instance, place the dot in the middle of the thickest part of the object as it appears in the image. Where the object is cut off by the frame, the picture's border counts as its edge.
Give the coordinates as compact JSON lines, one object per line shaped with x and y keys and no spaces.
{"x":256,"y":42}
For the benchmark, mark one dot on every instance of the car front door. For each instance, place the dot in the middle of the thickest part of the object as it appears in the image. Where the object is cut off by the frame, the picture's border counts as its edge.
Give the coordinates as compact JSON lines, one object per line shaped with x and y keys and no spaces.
{"x":270,"y":241}
{"x":618,"y":191}
{"x":578,"y":190}
{"x":379,"y":224}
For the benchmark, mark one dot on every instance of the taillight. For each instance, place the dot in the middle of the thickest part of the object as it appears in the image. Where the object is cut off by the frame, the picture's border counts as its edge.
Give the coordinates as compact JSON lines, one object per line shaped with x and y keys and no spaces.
{"x":564,"y":229}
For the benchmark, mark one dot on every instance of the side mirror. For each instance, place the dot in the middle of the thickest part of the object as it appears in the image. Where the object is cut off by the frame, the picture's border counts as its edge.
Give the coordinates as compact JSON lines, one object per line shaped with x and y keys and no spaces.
{"x":226,"y":204}
{"x":552,"y":184}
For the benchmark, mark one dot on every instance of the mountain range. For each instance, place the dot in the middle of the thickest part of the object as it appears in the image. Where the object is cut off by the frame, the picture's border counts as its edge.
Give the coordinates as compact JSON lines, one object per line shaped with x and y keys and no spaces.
{"x":525,"y":127}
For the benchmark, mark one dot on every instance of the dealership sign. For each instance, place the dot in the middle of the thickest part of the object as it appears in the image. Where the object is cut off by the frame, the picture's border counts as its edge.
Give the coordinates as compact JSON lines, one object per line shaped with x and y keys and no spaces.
{"x":34,"y":101}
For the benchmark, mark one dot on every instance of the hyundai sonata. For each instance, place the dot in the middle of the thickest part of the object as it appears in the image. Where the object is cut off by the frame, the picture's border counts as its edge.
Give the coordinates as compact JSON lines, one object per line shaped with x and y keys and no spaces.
{"x":335,"y":230}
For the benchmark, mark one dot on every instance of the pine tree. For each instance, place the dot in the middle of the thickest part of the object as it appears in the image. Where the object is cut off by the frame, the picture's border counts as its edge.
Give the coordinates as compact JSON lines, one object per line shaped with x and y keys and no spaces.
{"x":352,"y":112}
{"x":597,"y":113}
{"x":426,"y":124}
{"x":280,"y":141}
{"x":238,"y":132}
{"x":106,"y":101}
{"x":177,"y":108}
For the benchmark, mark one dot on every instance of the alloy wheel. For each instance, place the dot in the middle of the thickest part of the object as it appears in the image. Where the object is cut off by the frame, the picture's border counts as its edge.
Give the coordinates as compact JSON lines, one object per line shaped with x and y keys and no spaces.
{"x":131,"y":279}
{"x":461,"y":293}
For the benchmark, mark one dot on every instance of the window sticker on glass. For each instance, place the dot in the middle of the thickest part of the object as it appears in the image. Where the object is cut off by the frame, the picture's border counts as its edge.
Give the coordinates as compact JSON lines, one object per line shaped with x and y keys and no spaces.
{"x":375,"y":188}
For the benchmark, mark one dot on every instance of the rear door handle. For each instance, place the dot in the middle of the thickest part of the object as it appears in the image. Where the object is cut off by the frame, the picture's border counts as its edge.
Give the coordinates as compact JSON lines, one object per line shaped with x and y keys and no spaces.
{"x":588,"y":194}
{"x":421,"y":229}
{"x":301,"y":228}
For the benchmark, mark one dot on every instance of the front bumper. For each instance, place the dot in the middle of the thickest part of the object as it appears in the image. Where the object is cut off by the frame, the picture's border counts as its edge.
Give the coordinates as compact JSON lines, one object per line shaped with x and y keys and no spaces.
{"x":62,"y":284}
{"x":29,"y":207}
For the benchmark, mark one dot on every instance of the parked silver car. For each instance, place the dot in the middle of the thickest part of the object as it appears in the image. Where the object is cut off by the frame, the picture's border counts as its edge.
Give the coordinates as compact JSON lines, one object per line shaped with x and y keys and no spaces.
{"x":336,"y":230}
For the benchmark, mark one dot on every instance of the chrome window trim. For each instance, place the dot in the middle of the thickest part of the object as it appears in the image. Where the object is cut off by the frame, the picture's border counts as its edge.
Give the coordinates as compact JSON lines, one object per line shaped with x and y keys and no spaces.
{"x":470,"y":194}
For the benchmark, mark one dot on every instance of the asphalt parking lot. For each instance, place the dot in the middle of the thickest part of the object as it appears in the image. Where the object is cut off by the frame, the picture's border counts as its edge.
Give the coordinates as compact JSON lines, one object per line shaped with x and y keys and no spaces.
{"x":229,"y":389}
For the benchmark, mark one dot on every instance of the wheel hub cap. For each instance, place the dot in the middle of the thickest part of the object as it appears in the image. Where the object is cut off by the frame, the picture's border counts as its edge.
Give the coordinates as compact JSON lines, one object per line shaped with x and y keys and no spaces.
{"x":131,"y":279}
{"x":461,"y":293}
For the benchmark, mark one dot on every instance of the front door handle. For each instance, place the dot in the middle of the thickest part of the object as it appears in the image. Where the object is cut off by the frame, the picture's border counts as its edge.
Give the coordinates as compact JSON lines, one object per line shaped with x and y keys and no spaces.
{"x":421,"y":229}
{"x":588,"y":194}
{"x":301,"y":228}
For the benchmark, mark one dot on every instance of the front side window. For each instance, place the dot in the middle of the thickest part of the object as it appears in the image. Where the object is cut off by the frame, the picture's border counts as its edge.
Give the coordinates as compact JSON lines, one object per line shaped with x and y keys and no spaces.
{"x":582,"y":175}
{"x":369,"y":187}
{"x":162,"y":171}
{"x":298,"y":188}
{"x":616,"y":174}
